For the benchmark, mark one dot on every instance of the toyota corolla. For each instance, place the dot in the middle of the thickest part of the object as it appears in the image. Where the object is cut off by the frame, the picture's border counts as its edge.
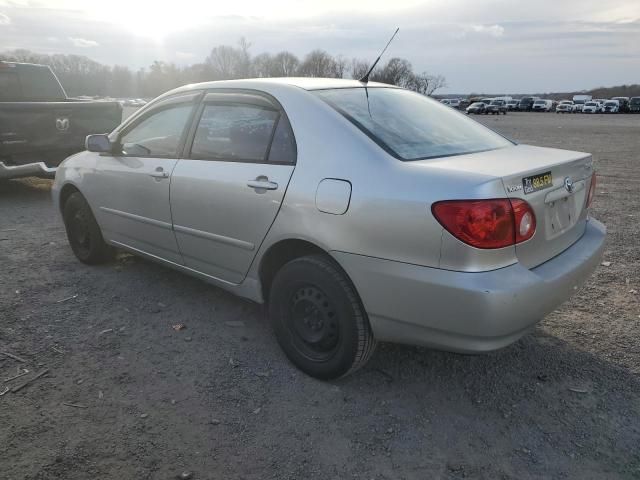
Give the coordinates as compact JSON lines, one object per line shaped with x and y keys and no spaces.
{"x":359,"y":212}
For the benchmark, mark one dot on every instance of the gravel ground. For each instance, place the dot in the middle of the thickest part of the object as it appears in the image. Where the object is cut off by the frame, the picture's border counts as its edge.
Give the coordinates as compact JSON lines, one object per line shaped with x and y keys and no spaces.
{"x":129,"y":397}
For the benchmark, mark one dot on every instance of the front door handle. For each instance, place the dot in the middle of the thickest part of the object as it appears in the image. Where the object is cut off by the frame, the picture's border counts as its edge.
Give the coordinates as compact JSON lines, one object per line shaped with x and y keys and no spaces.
{"x":262,"y":183}
{"x":159,"y":173}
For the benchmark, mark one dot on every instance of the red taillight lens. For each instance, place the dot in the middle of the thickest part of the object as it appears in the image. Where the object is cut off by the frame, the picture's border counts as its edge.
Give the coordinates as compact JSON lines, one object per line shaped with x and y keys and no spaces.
{"x":495,"y":223}
{"x":592,"y":191}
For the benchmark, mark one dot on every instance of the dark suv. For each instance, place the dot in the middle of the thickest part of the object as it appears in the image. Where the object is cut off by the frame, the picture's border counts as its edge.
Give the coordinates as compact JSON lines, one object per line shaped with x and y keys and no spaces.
{"x":526,"y":103}
{"x":496,"y":107}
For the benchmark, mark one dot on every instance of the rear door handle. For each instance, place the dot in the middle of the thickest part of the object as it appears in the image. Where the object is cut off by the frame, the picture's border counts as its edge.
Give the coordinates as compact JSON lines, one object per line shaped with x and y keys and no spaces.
{"x":262,"y":184}
{"x":159,"y":173}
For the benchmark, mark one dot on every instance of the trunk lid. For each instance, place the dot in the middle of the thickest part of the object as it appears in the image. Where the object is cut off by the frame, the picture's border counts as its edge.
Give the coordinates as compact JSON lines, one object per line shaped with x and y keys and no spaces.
{"x":554,"y":182}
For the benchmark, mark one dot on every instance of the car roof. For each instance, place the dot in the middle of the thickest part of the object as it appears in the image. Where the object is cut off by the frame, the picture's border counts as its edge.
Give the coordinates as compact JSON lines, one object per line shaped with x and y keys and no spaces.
{"x":305,"y":83}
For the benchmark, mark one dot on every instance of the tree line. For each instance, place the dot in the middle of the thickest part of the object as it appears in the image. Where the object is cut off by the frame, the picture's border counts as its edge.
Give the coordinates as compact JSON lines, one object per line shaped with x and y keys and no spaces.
{"x":81,"y":75}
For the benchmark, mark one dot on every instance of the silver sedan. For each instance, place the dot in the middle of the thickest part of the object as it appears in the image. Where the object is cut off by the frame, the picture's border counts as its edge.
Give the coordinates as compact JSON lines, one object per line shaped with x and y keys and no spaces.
{"x":358,"y":212}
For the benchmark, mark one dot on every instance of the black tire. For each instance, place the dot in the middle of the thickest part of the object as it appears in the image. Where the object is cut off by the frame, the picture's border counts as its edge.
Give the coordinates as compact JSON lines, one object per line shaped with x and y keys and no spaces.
{"x":83,"y":231}
{"x":318,"y":318}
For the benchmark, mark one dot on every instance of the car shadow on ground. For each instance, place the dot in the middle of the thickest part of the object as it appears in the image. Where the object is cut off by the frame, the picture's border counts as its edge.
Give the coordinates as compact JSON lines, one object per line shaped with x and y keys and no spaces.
{"x":543,"y":402}
{"x":25,"y":189}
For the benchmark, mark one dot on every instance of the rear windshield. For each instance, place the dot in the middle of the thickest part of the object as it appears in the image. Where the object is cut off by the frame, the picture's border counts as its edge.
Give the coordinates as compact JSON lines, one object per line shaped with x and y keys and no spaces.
{"x":540,"y":102}
{"x":635,"y":101}
{"x":411,"y":126}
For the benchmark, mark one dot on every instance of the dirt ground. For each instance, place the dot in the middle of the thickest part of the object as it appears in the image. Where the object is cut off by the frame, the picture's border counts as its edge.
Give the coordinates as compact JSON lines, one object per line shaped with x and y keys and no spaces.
{"x":128,"y":397}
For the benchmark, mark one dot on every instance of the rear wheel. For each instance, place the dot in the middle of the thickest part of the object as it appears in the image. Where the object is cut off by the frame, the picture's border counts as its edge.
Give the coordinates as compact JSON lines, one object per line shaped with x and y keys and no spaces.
{"x":83,"y":231}
{"x":318,"y":318}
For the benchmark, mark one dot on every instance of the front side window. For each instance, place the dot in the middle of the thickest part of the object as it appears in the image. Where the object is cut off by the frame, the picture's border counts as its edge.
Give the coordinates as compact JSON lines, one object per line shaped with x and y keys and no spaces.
{"x":234,"y":132}
{"x":159,"y":134}
{"x":411,"y":126}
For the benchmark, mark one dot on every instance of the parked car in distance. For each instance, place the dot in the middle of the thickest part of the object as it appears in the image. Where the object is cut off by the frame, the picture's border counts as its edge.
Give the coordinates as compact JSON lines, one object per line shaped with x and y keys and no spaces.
{"x":39,"y":125}
{"x":464,"y":103}
{"x":496,"y":107}
{"x":512,"y":104}
{"x":526,"y":103}
{"x":623,"y":104}
{"x":611,"y":106}
{"x":325,"y":198}
{"x":452,"y":102}
{"x":541,"y":105}
{"x":579,"y":101}
{"x":634,"y":105}
{"x":565,"y":106}
{"x":477,"y":108}
{"x":601,"y":102}
{"x":591,"y":107}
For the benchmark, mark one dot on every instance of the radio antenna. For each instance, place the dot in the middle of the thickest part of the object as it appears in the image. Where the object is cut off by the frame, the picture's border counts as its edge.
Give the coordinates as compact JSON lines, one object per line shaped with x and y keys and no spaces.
{"x":365,"y":79}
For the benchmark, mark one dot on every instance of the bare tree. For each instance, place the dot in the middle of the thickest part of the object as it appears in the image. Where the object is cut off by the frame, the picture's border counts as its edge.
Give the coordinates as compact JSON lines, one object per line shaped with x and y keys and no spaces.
{"x":318,"y":63}
{"x":341,"y":65}
{"x":397,"y":71}
{"x":228,"y":62}
{"x":428,"y":84}
{"x":359,"y":68}
{"x":262,"y":66}
{"x":285,"y":64}
{"x":82,"y":76}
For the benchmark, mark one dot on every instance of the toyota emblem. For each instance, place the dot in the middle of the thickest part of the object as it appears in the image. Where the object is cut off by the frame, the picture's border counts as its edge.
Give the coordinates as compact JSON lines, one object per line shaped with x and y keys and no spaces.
{"x":568,"y":184}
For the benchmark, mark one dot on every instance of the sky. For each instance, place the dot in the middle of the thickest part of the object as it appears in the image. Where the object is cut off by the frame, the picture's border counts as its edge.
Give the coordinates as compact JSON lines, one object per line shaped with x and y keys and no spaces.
{"x":497,"y":46}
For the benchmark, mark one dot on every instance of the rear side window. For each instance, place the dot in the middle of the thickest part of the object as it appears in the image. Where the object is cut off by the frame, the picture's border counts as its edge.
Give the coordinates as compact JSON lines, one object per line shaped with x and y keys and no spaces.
{"x":40,"y":84}
{"x":10,"y":87}
{"x":159,"y":134}
{"x":283,"y":147}
{"x":236,"y":132}
{"x":411,"y":126}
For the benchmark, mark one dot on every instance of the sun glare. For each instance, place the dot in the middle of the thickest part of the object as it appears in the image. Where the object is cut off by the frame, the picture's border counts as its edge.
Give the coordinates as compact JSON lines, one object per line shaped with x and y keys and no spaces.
{"x":156,"y":20}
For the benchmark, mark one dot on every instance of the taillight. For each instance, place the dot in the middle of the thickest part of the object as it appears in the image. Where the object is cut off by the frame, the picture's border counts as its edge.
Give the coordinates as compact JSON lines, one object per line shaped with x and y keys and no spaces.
{"x":494,"y":223}
{"x":592,"y":191}
{"x":524,"y":220}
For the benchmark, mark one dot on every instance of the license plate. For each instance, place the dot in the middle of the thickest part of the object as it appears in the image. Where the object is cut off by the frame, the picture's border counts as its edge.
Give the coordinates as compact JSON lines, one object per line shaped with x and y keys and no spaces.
{"x":537,"y":182}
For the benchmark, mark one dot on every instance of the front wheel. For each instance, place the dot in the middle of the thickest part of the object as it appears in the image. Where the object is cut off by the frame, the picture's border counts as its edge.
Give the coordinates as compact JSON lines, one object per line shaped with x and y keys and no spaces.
{"x":83,"y":231}
{"x":318,"y":318}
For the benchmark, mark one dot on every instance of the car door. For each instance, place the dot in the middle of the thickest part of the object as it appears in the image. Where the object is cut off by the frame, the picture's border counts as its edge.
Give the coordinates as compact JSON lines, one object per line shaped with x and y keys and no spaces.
{"x":227,"y":191}
{"x":132,"y":184}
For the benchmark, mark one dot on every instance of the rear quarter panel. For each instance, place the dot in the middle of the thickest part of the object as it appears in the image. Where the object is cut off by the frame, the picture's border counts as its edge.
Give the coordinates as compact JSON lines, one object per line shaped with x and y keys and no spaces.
{"x":389,"y":214}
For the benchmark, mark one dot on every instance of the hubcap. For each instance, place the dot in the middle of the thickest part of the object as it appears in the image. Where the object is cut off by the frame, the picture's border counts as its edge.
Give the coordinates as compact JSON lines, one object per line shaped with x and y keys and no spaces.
{"x":314,"y":323}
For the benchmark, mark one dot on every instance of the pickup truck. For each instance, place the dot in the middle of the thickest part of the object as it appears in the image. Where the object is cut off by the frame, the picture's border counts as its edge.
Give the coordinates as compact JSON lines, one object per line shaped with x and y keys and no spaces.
{"x":39,"y":125}
{"x":496,"y":107}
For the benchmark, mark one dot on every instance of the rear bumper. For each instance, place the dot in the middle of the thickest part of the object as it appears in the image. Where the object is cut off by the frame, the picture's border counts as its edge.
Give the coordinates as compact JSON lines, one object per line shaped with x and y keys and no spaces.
{"x":38,"y":169}
{"x":468,"y":312}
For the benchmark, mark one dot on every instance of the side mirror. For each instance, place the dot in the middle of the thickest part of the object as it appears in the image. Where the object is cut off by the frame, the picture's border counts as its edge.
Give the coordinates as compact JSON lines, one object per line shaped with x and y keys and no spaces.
{"x":98,"y":143}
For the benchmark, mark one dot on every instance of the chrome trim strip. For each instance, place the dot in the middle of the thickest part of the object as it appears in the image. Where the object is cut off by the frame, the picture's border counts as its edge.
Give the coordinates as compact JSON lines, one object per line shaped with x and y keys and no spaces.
{"x":216,"y":238}
{"x":139,"y":218}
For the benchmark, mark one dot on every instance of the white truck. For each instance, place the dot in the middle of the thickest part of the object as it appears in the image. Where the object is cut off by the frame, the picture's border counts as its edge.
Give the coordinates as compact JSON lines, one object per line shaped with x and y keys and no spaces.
{"x":542,"y":105}
{"x":579,"y":101}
